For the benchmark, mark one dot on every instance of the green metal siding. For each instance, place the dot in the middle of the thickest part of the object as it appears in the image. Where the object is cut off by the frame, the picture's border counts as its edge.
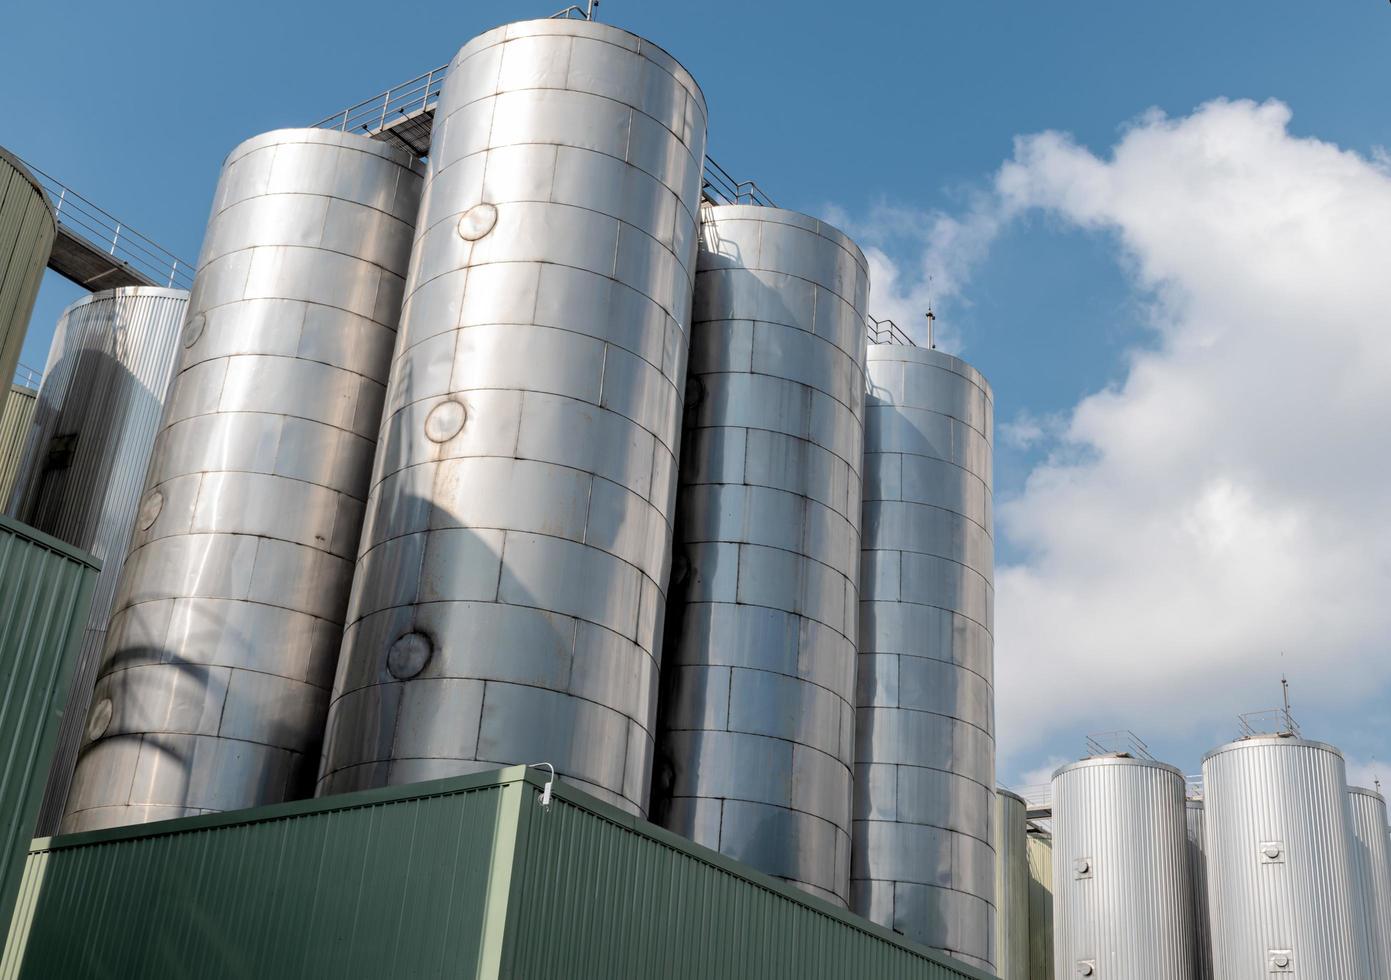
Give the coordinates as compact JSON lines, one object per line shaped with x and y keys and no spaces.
{"x":45,"y":589}
{"x":465,"y":877}
{"x":27,"y":230}
{"x":15,"y":416}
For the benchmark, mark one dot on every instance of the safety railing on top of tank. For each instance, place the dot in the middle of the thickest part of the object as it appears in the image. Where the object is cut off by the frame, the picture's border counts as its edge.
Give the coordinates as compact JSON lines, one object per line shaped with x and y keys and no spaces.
{"x":886,"y":332}
{"x":81,"y":218}
{"x":27,"y":377}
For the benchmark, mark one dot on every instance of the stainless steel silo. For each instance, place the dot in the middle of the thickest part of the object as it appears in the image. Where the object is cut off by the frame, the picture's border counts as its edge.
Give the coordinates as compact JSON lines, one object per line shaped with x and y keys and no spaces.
{"x":757,"y":724}
{"x":1011,"y":886}
{"x":925,"y":747}
{"x":1372,"y":859}
{"x":1193,"y":811}
{"x":27,"y":230}
{"x":1123,"y":905}
{"x":85,"y":458}
{"x":221,"y":649}
{"x":508,"y":600}
{"x":15,"y":418}
{"x":1040,"y":855}
{"x":1282,"y":885}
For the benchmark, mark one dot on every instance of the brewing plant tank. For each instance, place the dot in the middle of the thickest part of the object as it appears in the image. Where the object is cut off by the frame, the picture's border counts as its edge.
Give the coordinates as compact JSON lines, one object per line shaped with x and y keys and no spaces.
{"x":83,"y":467}
{"x":757,"y":723}
{"x":1282,"y":882}
{"x":15,"y":417}
{"x":508,"y":600}
{"x":1123,"y":904}
{"x":1040,"y":856}
{"x":1193,"y":812}
{"x":925,"y":748}
{"x":226,"y":623}
{"x":28,"y":227}
{"x":1372,"y":858}
{"x":1011,"y":886}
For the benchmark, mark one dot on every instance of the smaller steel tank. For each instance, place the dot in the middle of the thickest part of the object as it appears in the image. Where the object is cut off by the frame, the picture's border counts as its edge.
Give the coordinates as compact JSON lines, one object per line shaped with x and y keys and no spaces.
{"x":1011,"y":886}
{"x":1040,"y":861}
{"x":1282,"y":886}
{"x":1372,"y":858}
{"x":1123,"y":904}
{"x":28,"y":227}
{"x":1197,"y":876}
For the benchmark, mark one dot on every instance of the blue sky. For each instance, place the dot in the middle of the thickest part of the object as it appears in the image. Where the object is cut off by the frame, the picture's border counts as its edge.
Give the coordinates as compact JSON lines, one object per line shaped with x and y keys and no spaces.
{"x":897,"y":118}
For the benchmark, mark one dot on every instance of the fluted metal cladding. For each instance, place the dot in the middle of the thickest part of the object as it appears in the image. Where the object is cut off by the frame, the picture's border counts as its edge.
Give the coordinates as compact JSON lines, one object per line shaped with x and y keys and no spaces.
{"x":1372,"y":858}
{"x":1282,"y":885}
{"x":27,"y":230}
{"x":1040,"y":858}
{"x":757,"y":724}
{"x":227,"y":619}
{"x":84,"y":463}
{"x":1193,"y":811}
{"x":924,"y":862}
{"x":508,"y":600}
{"x":15,"y":417}
{"x":1011,"y":887}
{"x":1123,"y":904}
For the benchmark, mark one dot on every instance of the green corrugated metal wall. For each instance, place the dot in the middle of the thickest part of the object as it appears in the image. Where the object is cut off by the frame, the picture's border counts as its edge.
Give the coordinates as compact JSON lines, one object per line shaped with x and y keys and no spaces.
{"x":27,"y":230}
{"x":465,"y":877}
{"x":15,"y":417}
{"x":45,"y":589}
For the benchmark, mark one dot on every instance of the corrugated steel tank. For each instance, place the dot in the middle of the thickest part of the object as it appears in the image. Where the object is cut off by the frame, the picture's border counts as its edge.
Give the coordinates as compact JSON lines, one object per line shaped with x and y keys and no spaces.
{"x":1282,"y":885}
{"x":85,"y":461}
{"x":1011,"y":886}
{"x":925,"y":745}
{"x":1193,"y":812}
{"x":1372,"y":858}
{"x":759,"y":675}
{"x":1123,"y":905}
{"x":226,"y":623}
{"x":45,"y":586}
{"x":27,"y":230}
{"x":15,"y":418}
{"x":508,"y":600}
{"x":1040,"y":856}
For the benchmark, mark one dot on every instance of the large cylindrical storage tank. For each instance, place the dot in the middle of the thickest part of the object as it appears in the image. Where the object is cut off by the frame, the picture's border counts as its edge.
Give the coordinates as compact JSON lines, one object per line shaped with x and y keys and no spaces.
{"x":1193,"y":812}
{"x":1373,"y":861}
{"x":85,"y":460}
{"x":226,"y":623}
{"x":15,"y":418}
{"x":1040,"y":906}
{"x":1011,"y":886}
{"x":925,"y":746}
{"x":759,"y":678}
{"x":27,"y":230}
{"x":1282,"y":885}
{"x":1123,"y":906}
{"x":508,"y":600}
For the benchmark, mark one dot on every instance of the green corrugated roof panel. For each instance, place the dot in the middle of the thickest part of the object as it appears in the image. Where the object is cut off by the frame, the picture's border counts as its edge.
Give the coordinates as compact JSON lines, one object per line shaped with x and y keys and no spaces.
{"x":466,"y":877}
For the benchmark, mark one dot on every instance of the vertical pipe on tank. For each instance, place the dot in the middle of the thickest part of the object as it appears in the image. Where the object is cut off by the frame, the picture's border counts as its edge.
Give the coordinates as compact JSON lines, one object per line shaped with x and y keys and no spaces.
{"x":1372,"y":858}
{"x":758,"y":687}
{"x":85,"y":459}
{"x":1122,"y":898}
{"x":508,"y":599}
{"x":1011,"y":886}
{"x":1197,"y":875}
{"x":1282,"y":886}
{"x":925,"y":748}
{"x":227,"y":619}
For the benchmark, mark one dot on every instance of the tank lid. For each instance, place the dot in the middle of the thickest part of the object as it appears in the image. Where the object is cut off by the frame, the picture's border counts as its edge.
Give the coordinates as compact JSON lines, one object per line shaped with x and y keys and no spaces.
{"x":1364,"y":791}
{"x":28,"y":175}
{"x":1265,"y":739}
{"x":1000,"y":790}
{"x":931,"y":356}
{"x":784,"y":216}
{"x":1117,"y":759}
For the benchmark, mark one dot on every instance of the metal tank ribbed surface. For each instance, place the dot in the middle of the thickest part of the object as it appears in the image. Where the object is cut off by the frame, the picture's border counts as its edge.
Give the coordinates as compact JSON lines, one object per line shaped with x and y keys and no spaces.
{"x":226,"y":624}
{"x":1372,"y":858}
{"x":1193,"y":812}
{"x":925,"y":746}
{"x":15,"y":417}
{"x":1040,"y":857}
{"x":508,"y":600}
{"x":1123,"y":905}
{"x":1282,"y":886}
{"x":758,"y":682}
{"x":85,"y":460}
{"x":27,"y":230}
{"x":1011,"y":886}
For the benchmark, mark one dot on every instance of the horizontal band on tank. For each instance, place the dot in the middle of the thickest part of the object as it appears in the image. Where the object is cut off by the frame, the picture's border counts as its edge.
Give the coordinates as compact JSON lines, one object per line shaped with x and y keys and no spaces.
{"x":211,"y":292}
{"x":1268,"y":740}
{"x":763,"y":358}
{"x":739,"y":401}
{"x":334,"y":231}
{"x":883,"y":683}
{"x":897,"y":793}
{"x":607,"y":33}
{"x":905,"y":431}
{"x":826,"y":595}
{"x":734,"y":513}
{"x":208,"y":436}
{"x":953,"y":768}
{"x":1114,"y":760}
{"x":904,"y":528}
{"x":291,"y":135}
{"x":923,"y":605}
{"x":930,"y":388}
{"x":931,"y":356}
{"x":728,"y":295}
{"x":925,"y":855}
{"x":889,"y":562}
{"x":925,"y":739}
{"x":722,"y":634}
{"x":1366,"y":791}
{"x":744,"y":668}
{"x":759,"y":768}
{"x":782,"y":216}
{"x":877,"y":492}
{"x":694,"y":429}
{"x":112,"y":668}
{"x":123,"y":292}
{"x":947,"y":919}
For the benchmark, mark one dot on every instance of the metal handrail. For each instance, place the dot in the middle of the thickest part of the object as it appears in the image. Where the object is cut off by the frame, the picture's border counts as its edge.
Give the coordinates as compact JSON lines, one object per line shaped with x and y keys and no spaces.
{"x":584,"y":13}
{"x":886,"y":332}
{"x":721,"y":188}
{"x":27,"y":377}
{"x":107,"y":233}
